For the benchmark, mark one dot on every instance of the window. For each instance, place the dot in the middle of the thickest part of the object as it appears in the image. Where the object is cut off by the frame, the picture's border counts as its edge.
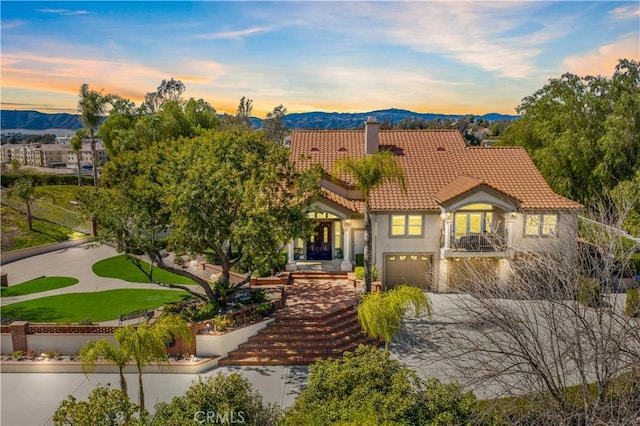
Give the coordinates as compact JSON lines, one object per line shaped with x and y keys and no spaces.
{"x":472,"y":223}
{"x":542,"y":225}
{"x":406,"y":225}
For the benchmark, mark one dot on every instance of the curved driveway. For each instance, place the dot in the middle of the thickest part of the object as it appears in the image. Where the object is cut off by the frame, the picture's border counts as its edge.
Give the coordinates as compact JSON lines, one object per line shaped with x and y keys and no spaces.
{"x":73,"y":262}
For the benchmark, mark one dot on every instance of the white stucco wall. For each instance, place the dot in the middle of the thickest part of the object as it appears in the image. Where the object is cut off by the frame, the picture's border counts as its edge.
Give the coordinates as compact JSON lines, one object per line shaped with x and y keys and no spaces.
{"x":65,"y":344}
{"x":221,"y":344}
{"x":6,"y":345}
{"x":567,"y":228}
{"x":429,"y":242}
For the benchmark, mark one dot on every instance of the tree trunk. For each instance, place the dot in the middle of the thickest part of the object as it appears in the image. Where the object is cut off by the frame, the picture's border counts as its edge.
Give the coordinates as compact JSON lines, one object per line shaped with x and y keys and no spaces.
{"x":123,"y":382}
{"x":140,"y":388}
{"x":93,"y":158}
{"x":367,"y":250}
{"x":79,"y":173}
{"x":179,"y":271}
{"x":29,"y":218}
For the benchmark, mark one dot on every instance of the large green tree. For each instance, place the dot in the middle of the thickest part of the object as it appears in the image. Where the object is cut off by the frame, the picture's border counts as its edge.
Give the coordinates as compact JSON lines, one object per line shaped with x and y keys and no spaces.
{"x":369,"y":388}
{"x":368,"y":173}
{"x":220,"y":399}
{"x":237,"y":196}
{"x":230,"y":194}
{"x":24,"y":190}
{"x":92,"y":106}
{"x":163,"y":116}
{"x":583,"y":133}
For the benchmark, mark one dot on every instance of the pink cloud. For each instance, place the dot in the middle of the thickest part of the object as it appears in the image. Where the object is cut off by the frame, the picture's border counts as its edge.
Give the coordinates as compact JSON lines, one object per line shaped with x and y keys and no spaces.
{"x":603,"y":60}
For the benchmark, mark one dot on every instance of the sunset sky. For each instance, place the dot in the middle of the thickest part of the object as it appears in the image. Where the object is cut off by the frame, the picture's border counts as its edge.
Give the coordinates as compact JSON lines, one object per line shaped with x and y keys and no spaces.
{"x":443,"y":57}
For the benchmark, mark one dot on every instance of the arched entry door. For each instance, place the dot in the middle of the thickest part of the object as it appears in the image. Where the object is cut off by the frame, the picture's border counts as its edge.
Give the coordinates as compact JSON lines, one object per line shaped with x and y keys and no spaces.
{"x":319,"y":245}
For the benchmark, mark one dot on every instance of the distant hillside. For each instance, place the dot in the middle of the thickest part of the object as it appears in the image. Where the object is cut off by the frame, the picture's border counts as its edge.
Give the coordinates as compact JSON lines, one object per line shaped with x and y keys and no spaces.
{"x":337,"y":120}
{"x":34,"y":120}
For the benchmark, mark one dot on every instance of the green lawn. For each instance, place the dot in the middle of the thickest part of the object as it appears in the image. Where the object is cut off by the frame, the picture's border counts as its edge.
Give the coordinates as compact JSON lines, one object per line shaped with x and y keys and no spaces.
{"x":99,"y":306}
{"x":123,"y":267}
{"x":16,"y":234}
{"x":60,"y":195}
{"x":37,"y":285}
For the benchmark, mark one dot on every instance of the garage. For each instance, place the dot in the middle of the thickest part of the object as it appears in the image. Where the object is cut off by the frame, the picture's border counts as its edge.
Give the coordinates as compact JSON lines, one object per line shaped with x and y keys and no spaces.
{"x":415,"y":269}
{"x":464,"y":273}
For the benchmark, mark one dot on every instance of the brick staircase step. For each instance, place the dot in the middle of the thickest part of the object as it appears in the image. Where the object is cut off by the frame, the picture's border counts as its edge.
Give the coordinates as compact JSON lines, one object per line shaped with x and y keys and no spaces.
{"x":310,"y":327}
{"x":348,"y":322}
{"x":301,"y":343}
{"x":326,"y":318}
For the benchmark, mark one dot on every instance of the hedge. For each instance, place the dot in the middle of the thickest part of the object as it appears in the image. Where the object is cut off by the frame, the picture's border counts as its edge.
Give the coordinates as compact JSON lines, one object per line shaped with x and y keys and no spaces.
{"x":40,"y":179}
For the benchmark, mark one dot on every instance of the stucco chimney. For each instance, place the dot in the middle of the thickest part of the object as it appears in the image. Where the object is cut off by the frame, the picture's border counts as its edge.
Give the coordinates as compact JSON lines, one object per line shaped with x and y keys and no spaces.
{"x":371,"y":138}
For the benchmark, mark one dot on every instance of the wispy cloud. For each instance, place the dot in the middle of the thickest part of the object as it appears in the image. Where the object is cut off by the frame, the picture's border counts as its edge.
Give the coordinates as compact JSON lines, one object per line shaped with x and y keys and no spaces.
{"x":63,"y":12}
{"x":503,"y":38}
{"x":234,"y":34}
{"x":494,"y":38}
{"x":602,"y":60}
{"x":64,"y":74}
{"x":9,"y":25}
{"x":625,"y":12}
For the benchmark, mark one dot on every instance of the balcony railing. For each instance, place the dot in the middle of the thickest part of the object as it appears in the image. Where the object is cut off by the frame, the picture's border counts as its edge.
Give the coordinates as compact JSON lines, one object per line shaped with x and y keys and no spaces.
{"x":478,"y":243}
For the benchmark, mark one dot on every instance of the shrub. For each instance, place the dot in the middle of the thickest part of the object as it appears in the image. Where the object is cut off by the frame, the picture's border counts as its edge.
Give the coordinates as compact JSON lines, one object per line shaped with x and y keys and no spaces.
{"x":632,"y":306}
{"x":104,"y":407}
{"x":359,"y":271}
{"x":203,"y":312}
{"x":264,"y":309}
{"x":258,"y":296}
{"x":230,"y":396}
{"x":18,"y":355}
{"x":41,"y":179}
{"x":222,"y":322}
{"x":85,"y":321}
{"x":634,"y":263}
{"x":589,"y":292}
{"x":368,"y":387}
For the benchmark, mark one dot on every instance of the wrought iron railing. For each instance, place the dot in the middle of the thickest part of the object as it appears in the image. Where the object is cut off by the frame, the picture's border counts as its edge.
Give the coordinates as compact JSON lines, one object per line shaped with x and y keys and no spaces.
{"x":487,"y":242}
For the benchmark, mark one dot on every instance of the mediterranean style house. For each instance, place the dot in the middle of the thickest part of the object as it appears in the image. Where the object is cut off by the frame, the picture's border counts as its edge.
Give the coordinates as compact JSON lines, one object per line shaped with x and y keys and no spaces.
{"x":463,"y":207}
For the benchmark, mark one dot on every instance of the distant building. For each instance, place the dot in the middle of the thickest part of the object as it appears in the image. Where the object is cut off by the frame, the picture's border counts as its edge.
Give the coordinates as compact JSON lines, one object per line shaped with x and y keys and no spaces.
{"x":50,"y":155}
{"x":86,"y":157}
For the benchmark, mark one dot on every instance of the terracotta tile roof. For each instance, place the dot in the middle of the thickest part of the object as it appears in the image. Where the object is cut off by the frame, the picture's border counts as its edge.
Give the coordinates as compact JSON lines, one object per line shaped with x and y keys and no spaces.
{"x":437,"y":163}
{"x":355,"y":206}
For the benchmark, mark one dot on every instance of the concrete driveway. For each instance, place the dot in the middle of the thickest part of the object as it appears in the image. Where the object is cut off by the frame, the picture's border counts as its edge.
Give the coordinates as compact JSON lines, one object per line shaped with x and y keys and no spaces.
{"x":73,"y":262}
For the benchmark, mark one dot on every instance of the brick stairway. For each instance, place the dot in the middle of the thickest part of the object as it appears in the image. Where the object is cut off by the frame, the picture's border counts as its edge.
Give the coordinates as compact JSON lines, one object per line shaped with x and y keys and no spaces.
{"x":318,"y":321}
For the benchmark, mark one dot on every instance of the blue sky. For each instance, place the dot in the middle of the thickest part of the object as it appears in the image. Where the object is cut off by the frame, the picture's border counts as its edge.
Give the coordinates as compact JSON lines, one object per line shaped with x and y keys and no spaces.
{"x":444,"y":57}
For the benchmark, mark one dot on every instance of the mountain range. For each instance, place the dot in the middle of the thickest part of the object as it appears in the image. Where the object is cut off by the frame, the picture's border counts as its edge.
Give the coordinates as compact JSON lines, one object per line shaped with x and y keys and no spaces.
{"x":35,"y":120}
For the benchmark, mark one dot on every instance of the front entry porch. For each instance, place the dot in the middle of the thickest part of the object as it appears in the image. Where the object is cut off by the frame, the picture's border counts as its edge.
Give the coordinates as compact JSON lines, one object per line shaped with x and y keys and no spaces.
{"x":330,"y":247}
{"x":318,"y":265}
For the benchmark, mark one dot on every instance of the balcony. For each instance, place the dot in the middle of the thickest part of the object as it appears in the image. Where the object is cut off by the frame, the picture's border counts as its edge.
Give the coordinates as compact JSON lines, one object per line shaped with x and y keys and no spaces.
{"x":476,"y":245}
